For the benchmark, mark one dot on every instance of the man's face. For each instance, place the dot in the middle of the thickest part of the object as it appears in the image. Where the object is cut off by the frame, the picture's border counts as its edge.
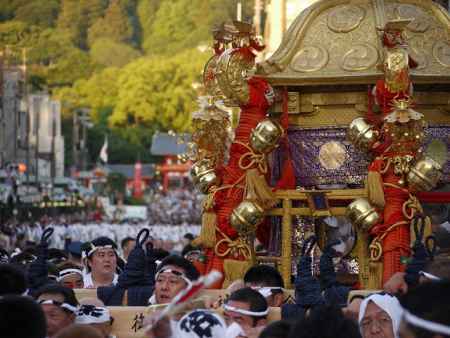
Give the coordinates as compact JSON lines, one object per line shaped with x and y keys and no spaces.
{"x":127,"y":248}
{"x":103,"y":262}
{"x":57,"y":318}
{"x":235,"y":317}
{"x":376,"y":323}
{"x":73,"y":281}
{"x":168,"y":284}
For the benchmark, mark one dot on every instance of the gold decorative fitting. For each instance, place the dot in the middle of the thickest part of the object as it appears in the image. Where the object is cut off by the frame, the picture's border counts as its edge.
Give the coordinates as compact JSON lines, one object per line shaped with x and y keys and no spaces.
{"x":362,"y":134}
{"x":246,"y":217}
{"x":425,"y":174}
{"x":265,"y":137}
{"x":204,"y":176}
{"x":362,"y":214}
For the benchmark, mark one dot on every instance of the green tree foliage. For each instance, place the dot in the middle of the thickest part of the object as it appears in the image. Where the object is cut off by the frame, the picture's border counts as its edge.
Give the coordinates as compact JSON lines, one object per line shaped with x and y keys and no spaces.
{"x":132,"y":62}
{"x":70,"y":21}
{"x":39,"y":12}
{"x":114,"y":26}
{"x":112,"y":54}
{"x":159,"y":91}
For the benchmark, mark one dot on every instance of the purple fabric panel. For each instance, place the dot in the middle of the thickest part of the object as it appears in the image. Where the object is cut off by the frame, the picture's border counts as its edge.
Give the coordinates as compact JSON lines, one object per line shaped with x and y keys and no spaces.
{"x":305,"y":145}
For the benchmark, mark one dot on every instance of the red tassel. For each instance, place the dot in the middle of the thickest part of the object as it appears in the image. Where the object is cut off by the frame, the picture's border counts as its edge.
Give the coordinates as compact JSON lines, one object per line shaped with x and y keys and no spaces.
{"x":287,"y":179}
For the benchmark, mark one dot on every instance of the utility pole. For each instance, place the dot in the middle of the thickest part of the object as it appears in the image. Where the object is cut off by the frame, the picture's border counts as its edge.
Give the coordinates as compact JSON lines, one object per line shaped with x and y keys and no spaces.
{"x":75,"y":138}
{"x":53,"y":167}
{"x":37,"y":123}
{"x":27,"y":117}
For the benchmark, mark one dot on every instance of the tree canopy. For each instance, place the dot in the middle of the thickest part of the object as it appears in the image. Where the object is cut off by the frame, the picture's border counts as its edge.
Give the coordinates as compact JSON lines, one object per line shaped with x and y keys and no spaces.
{"x":134,"y":63}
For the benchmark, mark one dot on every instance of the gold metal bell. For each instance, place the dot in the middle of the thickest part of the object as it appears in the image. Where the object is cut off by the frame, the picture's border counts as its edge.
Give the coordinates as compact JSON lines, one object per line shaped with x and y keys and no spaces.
{"x":265,"y":136}
{"x":361,"y":134}
{"x":204,"y":176}
{"x":362,"y":214}
{"x":246,"y":217}
{"x":425,"y":174}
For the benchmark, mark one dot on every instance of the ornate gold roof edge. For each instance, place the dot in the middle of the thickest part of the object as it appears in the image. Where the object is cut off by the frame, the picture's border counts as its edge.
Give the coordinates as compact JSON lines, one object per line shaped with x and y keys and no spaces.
{"x":361,"y":79}
{"x":279,"y":60}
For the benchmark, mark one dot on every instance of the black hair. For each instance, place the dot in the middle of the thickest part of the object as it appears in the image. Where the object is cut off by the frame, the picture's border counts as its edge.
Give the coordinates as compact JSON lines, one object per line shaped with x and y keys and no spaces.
{"x":67,"y":265}
{"x":12,"y":280}
{"x":99,"y":241}
{"x":325,"y":322}
{"x":256,"y":302}
{"x":160,"y":254}
{"x":439,"y":266}
{"x":21,"y":317}
{"x":265,"y":275}
{"x":56,"y":289}
{"x":189,"y":236}
{"x":125,"y":241}
{"x":189,"y":269}
{"x":57,"y":256}
{"x":22,"y":259}
{"x":429,"y":301}
{"x":278,"y":329}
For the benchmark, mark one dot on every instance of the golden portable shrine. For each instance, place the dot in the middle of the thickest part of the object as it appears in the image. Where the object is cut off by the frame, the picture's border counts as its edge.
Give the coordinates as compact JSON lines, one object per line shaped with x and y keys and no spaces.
{"x":345,"y":127}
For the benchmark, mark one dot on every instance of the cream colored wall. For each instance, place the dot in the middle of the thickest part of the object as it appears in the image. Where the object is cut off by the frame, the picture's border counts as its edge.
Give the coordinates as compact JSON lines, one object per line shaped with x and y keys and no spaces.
{"x":281,"y":13}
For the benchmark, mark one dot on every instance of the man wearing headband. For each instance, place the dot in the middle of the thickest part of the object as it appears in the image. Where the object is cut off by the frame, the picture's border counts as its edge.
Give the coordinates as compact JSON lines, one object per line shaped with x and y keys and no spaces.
{"x":247,"y":308}
{"x":101,"y":261}
{"x":70,"y":276}
{"x":59,"y":305}
{"x":173,"y":275}
{"x":97,"y":317}
{"x":379,"y":316}
{"x":426,"y":311}
{"x":267,"y":281}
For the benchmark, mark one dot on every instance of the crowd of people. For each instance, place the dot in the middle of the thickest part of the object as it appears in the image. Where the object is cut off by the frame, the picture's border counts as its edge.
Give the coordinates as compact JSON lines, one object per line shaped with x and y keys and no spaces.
{"x":37,"y":297}
{"x":174,"y":207}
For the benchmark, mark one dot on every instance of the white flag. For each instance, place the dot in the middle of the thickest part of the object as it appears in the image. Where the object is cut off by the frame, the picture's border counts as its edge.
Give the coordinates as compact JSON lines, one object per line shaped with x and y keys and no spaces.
{"x":104,"y":151}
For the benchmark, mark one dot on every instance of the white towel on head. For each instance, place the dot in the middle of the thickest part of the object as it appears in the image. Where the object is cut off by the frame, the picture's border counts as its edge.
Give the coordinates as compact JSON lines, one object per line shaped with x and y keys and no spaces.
{"x":387,"y":303}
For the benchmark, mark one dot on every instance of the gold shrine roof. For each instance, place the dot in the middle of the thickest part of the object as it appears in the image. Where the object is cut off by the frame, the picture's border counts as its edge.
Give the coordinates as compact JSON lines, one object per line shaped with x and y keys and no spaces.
{"x":338,"y":42}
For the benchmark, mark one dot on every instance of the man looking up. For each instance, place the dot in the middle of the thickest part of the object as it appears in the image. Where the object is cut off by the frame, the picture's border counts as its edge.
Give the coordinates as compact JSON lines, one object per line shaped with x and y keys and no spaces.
{"x":59,"y":305}
{"x":101,"y":263}
{"x":174,"y":274}
{"x":267,"y":281}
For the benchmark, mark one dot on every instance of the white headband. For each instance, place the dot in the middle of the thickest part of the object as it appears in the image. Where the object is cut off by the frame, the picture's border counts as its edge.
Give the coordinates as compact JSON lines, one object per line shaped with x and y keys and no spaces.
{"x":66,"y":306}
{"x":266,"y":291}
{"x":90,"y":314}
{"x":67,"y":272}
{"x":426,"y":324}
{"x":429,"y":276}
{"x":95,"y":248}
{"x":175,"y":273}
{"x":245,"y":312}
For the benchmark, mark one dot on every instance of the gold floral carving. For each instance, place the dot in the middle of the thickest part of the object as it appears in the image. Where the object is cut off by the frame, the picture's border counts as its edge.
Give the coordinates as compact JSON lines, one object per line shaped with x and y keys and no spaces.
{"x":310,"y":59}
{"x":360,"y":57}
{"x":441,"y":51}
{"x":344,"y":19}
{"x":420,"y":23}
{"x":332,"y":155}
{"x":209,"y":78}
{"x":231,"y":72}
